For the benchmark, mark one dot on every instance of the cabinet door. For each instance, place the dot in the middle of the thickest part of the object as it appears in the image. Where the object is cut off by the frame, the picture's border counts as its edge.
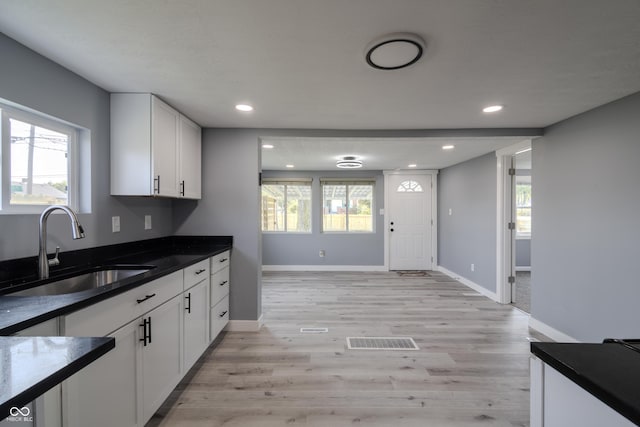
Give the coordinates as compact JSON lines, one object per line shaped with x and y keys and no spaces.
{"x":161,"y":363}
{"x":219,"y":317}
{"x":196,"y":323}
{"x":190,"y":159}
{"x":164,"y":148}
{"x":105,"y":393}
{"x":219,"y":285}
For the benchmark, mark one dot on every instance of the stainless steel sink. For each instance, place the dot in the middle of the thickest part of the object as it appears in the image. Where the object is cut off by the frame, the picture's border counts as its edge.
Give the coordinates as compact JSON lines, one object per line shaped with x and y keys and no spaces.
{"x":83,"y":282}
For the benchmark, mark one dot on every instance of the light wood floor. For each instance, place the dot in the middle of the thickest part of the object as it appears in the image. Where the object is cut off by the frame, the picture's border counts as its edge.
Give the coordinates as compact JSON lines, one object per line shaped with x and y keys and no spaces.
{"x":471,"y":369}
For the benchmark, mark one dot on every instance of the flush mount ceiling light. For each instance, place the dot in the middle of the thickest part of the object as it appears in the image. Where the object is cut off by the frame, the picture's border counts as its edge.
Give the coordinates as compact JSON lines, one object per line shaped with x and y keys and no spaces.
{"x":412,"y":165}
{"x":349,"y":162}
{"x":244,"y":108}
{"x":492,"y":108}
{"x":289,"y":166}
{"x":267,"y":146}
{"x":395,"y":51}
{"x":448,"y":147}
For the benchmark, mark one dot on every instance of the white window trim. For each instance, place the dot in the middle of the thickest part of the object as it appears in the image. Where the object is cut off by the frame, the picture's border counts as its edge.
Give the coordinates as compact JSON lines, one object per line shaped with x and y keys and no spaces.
{"x":285,"y":182}
{"x":347,"y":182}
{"x":9,"y":112}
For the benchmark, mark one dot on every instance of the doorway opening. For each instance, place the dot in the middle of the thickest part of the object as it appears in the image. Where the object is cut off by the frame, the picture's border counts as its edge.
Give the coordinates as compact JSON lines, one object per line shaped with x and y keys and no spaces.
{"x":521,"y":296}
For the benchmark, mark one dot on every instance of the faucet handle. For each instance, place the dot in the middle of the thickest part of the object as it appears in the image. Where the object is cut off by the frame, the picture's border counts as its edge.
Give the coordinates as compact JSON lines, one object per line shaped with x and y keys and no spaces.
{"x":55,"y":260}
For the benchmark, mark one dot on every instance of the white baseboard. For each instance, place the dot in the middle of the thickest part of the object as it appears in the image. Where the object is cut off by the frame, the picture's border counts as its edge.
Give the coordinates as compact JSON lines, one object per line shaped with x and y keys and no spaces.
{"x":552,"y":333}
{"x":523,"y":268}
{"x":324,"y":268}
{"x":244,"y":325}
{"x":469,"y":283}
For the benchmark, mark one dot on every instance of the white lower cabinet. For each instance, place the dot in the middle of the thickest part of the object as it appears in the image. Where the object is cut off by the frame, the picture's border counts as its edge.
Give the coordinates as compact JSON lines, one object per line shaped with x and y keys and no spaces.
{"x":556,"y":401}
{"x":161,"y":328}
{"x":160,"y":348}
{"x":105,"y":393}
{"x":196,"y":323}
{"x":219,"y":317}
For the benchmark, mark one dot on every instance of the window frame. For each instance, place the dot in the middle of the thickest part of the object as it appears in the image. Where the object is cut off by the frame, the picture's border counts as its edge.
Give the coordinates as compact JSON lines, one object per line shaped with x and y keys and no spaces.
{"x":347,"y":183}
{"x":522,"y":181}
{"x":286,"y":182}
{"x":8,"y":112}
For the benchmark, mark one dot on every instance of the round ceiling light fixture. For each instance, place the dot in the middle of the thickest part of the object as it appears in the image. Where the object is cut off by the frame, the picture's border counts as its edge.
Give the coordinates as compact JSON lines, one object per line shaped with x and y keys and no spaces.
{"x":245,"y":108}
{"x":395,"y":51}
{"x":349,"y":162}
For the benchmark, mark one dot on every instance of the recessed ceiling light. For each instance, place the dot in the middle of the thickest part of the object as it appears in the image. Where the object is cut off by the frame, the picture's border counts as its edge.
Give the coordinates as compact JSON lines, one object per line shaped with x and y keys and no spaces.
{"x":244,"y":107}
{"x":349,"y":162}
{"x":395,"y":51}
{"x":492,"y":108}
{"x":412,"y":165}
{"x":267,"y":146}
{"x":448,"y":147}
{"x":290,"y":166}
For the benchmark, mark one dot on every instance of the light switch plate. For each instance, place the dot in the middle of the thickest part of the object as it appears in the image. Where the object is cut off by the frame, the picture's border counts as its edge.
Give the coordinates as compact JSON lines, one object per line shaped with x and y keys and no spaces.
{"x":115,"y":224}
{"x":147,"y":222}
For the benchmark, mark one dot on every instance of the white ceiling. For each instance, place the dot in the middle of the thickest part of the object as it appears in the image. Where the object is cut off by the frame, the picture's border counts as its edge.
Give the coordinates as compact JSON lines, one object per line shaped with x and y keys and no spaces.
{"x":376,"y":153}
{"x":301,"y":63}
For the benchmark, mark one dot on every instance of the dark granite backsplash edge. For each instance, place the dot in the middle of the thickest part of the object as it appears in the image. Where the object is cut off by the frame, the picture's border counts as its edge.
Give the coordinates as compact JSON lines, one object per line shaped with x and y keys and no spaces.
{"x":24,"y":270}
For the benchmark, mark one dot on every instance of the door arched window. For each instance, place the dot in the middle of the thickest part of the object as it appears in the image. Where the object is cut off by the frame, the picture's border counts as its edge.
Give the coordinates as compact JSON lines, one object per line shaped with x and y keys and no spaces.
{"x":409,"y":186}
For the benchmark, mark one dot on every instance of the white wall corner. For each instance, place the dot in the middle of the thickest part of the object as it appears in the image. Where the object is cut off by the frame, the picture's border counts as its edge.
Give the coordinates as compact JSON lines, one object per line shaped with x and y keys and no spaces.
{"x":549,"y":331}
{"x":244,"y":325}
{"x":480,"y":289}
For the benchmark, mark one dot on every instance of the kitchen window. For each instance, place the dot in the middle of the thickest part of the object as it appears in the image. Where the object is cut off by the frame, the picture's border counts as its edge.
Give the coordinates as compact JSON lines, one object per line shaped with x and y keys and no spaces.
{"x":347,"y":206}
{"x":39,"y":166}
{"x":286,"y":206}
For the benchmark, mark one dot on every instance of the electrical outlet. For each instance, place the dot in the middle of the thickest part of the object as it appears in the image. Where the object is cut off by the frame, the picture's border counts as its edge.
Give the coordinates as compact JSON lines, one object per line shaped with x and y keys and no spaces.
{"x":147,"y":222}
{"x":321,"y":253}
{"x":115,"y":224}
{"x":473,"y":267}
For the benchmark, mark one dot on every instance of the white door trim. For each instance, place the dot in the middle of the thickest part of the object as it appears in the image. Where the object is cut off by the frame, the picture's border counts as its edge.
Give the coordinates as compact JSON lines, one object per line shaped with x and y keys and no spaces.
{"x":434,"y":211}
{"x":503,"y":238}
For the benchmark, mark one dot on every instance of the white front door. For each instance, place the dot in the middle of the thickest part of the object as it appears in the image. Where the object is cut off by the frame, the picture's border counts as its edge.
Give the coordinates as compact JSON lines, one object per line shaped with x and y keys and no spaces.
{"x":409,"y":222}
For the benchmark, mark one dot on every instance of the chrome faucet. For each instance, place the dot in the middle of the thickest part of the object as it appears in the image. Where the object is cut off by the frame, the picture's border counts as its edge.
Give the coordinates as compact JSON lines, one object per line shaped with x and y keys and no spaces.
{"x":76,"y":230}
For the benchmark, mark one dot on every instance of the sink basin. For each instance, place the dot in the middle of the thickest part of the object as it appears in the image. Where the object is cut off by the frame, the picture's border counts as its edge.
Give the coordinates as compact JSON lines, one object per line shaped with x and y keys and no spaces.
{"x":83,"y":282}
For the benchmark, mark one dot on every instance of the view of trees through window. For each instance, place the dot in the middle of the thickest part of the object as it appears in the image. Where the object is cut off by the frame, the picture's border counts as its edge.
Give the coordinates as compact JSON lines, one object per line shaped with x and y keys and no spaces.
{"x":347,"y":207}
{"x":286,"y":207}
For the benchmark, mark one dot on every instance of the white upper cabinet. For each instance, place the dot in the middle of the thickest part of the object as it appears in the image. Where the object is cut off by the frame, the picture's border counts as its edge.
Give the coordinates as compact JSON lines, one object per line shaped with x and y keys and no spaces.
{"x":155,"y":150}
{"x":190,"y":159}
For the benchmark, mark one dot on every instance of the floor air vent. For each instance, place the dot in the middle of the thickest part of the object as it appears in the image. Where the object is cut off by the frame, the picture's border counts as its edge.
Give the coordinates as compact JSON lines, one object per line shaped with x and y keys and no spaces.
{"x":381,"y":343}
{"x":314,"y":330}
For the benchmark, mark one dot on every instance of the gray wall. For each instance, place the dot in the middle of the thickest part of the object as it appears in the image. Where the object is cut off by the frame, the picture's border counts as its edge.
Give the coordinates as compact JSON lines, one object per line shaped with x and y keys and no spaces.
{"x":468,"y":236}
{"x":230,"y":207}
{"x":28,"y":79}
{"x":587,"y":223}
{"x":523,"y":252}
{"x":340,"y":248}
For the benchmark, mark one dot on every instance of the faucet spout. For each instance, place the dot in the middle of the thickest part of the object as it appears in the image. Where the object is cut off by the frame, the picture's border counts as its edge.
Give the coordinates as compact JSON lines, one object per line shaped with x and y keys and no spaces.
{"x":76,"y":231}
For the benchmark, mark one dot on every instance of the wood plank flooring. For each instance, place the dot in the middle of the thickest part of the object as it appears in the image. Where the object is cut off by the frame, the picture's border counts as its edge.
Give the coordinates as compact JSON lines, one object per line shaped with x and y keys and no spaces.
{"x":472,"y":368}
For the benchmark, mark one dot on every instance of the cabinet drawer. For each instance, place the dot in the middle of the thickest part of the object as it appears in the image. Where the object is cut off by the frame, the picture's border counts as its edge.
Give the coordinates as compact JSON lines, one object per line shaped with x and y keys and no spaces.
{"x":195,"y":273}
{"x":106,"y":316}
{"x":220,"y":261}
{"x":219,"y":285}
{"x":219,"y":317}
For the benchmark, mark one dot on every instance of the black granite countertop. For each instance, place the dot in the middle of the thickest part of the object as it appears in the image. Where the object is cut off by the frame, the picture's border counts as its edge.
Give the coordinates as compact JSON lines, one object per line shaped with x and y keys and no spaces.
{"x":166,"y":255}
{"x":610,"y":371}
{"x":29,"y":366}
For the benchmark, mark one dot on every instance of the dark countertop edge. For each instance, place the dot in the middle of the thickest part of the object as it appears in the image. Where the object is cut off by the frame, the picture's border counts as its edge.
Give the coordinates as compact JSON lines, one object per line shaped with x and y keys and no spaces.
{"x":93,"y":299}
{"x":629,"y":412}
{"x":104,"y":345}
